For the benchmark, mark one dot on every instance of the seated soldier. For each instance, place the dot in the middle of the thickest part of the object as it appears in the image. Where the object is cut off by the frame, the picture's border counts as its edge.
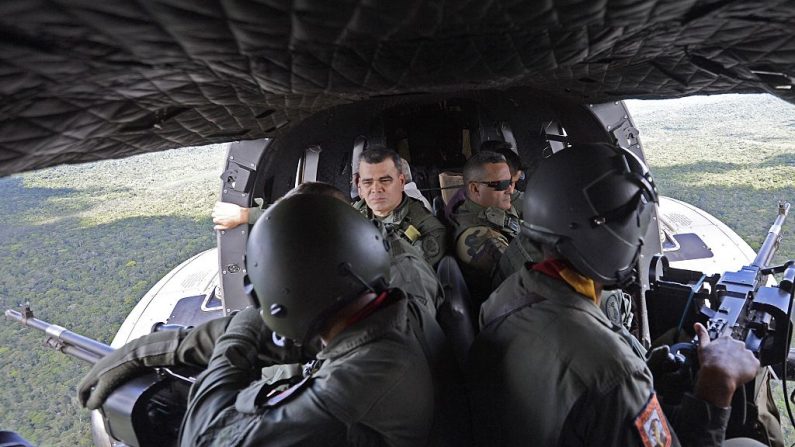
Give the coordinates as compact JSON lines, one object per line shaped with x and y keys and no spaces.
{"x":514,"y":164}
{"x":407,"y":268}
{"x":517,"y":175}
{"x":549,"y":368}
{"x":320,"y":272}
{"x":380,"y":184}
{"x":486,"y":222}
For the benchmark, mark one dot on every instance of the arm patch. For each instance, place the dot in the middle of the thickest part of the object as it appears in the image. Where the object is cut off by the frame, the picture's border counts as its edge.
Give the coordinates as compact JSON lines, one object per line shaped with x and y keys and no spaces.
{"x":652,"y":425}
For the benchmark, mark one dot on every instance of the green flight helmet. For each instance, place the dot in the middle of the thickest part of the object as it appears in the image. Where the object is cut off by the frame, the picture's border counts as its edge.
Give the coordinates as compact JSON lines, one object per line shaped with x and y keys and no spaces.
{"x":593,"y":204}
{"x":307,"y":257}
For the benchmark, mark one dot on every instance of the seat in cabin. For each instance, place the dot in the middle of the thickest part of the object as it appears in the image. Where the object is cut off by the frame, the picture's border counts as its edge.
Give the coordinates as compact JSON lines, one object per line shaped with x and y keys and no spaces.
{"x":454,"y":315}
{"x":453,"y":193}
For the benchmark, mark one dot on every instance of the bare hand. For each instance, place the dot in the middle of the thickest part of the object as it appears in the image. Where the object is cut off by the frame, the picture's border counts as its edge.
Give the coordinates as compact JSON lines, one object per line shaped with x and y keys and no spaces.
{"x":725,"y":366}
{"x":228,"y":215}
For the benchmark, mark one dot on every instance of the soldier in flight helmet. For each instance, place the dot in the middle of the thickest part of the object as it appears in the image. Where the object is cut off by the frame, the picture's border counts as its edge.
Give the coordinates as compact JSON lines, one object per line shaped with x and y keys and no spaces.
{"x":301,"y":275}
{"x":321,"y":269}
{"x":597,"y":221}
{"x":549,"y":368}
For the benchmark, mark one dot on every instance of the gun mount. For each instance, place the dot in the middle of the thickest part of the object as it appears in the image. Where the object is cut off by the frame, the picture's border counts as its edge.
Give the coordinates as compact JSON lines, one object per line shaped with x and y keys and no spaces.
{"x":145,"y":411}
{"x":742,"y":304}
{"x":737,"y":303}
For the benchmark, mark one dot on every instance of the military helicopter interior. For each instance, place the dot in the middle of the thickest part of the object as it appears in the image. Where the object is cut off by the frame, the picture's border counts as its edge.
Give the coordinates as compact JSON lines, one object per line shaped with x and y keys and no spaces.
{"x":434,"y":134}
{"x":298,"y":89}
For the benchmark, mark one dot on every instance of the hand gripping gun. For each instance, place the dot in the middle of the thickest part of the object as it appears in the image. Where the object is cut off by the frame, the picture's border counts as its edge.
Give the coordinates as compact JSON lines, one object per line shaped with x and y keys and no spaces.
{"x":739,"y":303}
{"x":146,"y":410}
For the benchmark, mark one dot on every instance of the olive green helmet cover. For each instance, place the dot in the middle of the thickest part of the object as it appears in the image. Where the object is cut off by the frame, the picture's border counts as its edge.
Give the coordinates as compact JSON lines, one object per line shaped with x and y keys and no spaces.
{"x":593,"y":204}
{"x":308,"y":256}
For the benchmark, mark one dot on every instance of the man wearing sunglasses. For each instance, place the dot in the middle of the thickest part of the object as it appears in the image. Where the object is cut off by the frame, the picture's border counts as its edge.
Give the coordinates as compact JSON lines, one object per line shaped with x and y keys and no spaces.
{"x":486,"y":222}
{"x":514,"y":164}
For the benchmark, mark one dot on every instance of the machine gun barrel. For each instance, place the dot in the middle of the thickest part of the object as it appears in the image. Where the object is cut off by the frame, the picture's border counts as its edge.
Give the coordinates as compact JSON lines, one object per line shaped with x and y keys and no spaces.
{"x":773,"y":238}
{"x":144,"y":411}
{"x":61,"y":339}
{"x":751,"y":311}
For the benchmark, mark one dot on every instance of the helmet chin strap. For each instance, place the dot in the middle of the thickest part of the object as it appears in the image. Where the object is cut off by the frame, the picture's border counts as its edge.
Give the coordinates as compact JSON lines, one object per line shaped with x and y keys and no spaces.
{"x":345,"y":268}
{"x":317,"y":326}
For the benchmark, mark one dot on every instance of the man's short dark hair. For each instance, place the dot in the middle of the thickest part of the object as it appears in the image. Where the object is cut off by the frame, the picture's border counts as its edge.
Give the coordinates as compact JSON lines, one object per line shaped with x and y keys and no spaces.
{"x":376,"y":154}
{"x":474,"y":169}
{"x":506,"y":150}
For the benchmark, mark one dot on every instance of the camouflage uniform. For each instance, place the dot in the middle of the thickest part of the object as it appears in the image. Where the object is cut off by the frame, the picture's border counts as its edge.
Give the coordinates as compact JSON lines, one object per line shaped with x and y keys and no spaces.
{"x":410,"y":273}
{"x":411,"y":222}
{"x":550,"y":369}
{"x":481,"y":237}
{"x":516,"y":200}
{"x":378,"y":383}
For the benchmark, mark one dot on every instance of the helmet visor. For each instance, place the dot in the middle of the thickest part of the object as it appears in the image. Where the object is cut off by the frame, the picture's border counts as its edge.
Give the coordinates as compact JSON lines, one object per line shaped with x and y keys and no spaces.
{"x":617,"y":199}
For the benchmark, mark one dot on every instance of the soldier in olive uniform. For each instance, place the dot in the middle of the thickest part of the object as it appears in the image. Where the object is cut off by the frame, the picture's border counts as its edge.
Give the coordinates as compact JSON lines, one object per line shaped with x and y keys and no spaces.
{"x":320,"y":272}
{"x":380,"y":185}
{"x":549,"y":368}
{"x":518,"y":174}
{"x":486,"y":222}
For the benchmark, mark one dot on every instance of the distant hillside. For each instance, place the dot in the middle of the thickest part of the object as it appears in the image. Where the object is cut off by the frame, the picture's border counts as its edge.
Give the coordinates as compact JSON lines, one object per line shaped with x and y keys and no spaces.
{"x":731,"y":155}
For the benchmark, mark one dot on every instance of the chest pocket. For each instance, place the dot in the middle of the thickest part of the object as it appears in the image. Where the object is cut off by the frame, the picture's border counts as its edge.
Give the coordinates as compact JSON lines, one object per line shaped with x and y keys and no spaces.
{"x":265,"y":395}
{"x":519,"y":252}
{"x":633,"y":342}
{"x":228,"y":429}
{"x":232,"y":425}
{"x":403,"y":241}
{"x":503,"y":221}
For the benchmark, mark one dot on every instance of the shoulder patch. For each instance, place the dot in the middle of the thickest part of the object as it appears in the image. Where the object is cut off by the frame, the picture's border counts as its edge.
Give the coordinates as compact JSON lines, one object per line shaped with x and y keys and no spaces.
{"x":430,"y":247}
{"x":412,"y":233}
{"x":652,"y":425}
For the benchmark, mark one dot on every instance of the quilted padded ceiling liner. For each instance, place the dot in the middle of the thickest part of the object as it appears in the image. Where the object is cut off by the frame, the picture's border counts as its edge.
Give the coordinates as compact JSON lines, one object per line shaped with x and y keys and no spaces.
{"x":87,"y":80}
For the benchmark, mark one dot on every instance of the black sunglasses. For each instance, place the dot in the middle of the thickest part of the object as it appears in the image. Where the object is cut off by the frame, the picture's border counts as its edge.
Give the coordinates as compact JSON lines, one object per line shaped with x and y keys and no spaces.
{"x":498,"y":185}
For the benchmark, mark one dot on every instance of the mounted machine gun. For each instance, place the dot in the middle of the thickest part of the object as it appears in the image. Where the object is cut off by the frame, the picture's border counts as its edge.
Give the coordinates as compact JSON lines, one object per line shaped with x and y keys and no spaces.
{"x":145,"y":411}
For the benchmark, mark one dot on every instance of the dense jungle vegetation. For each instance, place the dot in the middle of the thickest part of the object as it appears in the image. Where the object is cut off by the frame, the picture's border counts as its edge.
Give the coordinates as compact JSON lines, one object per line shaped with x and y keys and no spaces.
{"x":83,"y":243}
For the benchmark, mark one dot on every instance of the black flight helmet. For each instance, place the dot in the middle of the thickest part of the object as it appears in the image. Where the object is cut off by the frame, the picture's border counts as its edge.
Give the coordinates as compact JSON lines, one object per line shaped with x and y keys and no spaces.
{"x":307,"y":257}
{"x":593,"y":204}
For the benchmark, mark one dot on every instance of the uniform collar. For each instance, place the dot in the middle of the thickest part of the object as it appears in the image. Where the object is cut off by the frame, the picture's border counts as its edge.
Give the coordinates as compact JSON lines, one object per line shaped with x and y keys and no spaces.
{"x":395,"y":217}
{"x":387,"y":319}
{"x":558,"y":291}
{"x":471,"y":207}
{"x":470,"y":213}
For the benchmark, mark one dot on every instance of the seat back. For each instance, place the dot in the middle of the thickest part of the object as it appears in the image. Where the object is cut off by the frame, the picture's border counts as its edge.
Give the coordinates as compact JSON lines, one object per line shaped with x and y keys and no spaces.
{"x":12,"y":439}
{"x":454,"y":315}
{"x":447,"y":181}
{"x":438,"y":209}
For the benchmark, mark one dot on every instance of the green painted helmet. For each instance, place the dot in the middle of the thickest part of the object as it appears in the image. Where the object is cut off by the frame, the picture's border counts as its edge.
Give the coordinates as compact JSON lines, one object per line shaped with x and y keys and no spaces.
{"x":593,"y":204}
{"x":307,"y":257}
